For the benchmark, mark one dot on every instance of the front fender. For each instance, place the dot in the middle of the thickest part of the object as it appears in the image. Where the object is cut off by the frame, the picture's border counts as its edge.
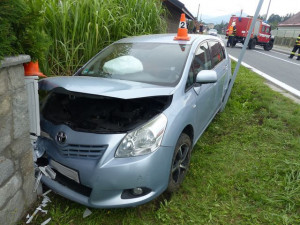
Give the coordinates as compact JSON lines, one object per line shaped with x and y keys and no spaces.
{"x":180,"y":114}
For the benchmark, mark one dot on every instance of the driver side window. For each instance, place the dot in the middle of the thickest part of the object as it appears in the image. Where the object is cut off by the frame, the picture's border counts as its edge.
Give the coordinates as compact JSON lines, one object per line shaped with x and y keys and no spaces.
{"x":201,"y":61}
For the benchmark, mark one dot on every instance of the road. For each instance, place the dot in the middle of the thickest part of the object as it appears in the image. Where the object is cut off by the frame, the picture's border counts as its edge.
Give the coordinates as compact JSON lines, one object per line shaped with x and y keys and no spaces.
{"x":275,"y":64}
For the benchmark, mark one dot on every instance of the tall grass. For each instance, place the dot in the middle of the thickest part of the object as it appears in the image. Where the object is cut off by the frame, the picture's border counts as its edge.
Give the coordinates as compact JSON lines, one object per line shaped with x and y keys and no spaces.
{"x":81,"y":28}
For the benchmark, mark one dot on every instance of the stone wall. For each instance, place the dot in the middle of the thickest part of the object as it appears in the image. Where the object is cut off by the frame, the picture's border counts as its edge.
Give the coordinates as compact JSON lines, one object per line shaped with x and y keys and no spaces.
{"x":16,"y":161}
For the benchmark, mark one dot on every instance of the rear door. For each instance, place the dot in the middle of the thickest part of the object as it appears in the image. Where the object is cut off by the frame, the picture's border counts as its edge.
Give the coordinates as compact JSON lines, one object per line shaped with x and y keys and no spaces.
{"x":220,"y":65}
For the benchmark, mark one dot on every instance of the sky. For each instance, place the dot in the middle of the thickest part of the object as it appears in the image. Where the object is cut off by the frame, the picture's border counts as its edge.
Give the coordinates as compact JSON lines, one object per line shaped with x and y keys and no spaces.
{"x":215,"y":8}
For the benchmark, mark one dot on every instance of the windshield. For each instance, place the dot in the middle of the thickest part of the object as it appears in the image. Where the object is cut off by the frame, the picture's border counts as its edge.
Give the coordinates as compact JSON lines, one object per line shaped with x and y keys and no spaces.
{"x":153,"y":63}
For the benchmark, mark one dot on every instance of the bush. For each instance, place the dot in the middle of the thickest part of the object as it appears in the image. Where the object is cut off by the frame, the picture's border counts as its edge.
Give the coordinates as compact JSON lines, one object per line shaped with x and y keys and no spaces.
{"x":81,"y":28}
{"x":20,"y":33}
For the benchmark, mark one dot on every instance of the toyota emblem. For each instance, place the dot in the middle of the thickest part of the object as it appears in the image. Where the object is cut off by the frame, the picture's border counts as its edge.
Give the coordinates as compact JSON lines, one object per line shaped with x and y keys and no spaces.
{"x":61,"y":137}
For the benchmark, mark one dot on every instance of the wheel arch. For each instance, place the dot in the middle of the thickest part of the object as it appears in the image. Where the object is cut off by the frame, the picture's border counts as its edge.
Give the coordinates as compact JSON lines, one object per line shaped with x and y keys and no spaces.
{"x":189,"y":130}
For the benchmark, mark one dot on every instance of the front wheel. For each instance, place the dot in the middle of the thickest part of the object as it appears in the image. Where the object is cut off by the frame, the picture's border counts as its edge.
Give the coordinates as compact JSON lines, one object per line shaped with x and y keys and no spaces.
{"x":180,"y":162}
{"x":268,"y":46}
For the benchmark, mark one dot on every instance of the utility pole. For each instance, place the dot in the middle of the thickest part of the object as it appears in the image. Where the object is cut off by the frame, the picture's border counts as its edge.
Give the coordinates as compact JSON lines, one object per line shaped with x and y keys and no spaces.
{"x":268,"y":10}
{"x":242,"y":54}
{"x":198,"y":12}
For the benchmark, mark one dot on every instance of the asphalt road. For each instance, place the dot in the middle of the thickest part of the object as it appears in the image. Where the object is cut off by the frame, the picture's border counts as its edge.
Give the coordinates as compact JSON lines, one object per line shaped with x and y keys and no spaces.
{"x":275,"y":64}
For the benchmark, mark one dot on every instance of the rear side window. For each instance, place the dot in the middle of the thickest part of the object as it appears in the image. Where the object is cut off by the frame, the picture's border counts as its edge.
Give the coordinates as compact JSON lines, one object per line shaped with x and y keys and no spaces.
{"x":216,"y":52}
{"x":263,"y":29}
{"x":267,"y":30}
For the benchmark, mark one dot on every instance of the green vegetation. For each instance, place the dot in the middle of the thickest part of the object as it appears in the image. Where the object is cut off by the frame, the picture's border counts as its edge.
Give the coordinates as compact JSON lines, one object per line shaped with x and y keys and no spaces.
{"x":245,"y":169}
{"x":81,"y":28}
{"x":274,"y":19}
{"x":20,"y":33}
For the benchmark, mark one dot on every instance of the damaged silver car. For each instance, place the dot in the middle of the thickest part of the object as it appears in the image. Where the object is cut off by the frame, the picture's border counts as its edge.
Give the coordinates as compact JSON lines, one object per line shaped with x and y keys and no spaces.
{"x":121,"y":130}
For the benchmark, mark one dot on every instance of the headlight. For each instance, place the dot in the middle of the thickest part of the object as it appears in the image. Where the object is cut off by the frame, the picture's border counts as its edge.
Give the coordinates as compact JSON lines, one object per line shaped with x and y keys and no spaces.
{"x":143,"y":140}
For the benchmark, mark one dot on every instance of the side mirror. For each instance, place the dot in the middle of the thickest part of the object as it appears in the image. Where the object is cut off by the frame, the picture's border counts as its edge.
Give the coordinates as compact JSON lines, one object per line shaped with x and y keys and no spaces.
{"x":206,"y":77}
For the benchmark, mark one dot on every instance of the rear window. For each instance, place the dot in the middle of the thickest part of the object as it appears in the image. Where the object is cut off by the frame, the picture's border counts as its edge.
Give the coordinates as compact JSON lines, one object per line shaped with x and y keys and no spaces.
{"x":153,"y":63}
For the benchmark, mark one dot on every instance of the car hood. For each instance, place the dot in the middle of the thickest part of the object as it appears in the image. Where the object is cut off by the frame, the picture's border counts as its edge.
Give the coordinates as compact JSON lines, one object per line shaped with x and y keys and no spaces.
{"x":105,"y":87}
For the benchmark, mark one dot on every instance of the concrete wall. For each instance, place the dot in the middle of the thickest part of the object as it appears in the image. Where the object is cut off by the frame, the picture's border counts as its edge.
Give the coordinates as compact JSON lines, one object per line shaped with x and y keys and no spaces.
{"x":286,"y":36}
{"x":285,"y":41}
{"x":289,"y":32}
{"x":16,"y":161}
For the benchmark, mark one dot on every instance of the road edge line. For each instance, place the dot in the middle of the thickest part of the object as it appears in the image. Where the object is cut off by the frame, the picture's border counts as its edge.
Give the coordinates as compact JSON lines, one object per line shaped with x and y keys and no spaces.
{"x":280,"y":84}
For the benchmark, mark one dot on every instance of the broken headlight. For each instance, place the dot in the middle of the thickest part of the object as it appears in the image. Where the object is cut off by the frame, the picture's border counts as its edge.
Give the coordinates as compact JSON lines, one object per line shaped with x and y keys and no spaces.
{"x":143,"y":140}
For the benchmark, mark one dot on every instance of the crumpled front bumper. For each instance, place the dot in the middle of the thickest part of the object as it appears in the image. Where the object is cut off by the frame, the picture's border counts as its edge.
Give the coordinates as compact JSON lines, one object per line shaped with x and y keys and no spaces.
{"x":103,"y":179}
{"x":108,"y":181}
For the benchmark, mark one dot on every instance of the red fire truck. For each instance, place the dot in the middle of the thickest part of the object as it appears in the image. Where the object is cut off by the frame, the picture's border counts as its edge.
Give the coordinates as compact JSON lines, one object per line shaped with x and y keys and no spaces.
{"x":261,"y":34}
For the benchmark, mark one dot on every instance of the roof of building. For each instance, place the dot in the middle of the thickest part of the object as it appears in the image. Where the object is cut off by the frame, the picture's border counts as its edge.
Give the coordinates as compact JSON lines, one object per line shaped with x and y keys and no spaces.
{"x":291,"y":22}
{"x":181,"y":7}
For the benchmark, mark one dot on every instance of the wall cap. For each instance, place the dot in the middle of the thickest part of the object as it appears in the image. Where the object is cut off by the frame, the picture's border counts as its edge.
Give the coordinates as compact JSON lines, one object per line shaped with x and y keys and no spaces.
{"x":14,"y":60}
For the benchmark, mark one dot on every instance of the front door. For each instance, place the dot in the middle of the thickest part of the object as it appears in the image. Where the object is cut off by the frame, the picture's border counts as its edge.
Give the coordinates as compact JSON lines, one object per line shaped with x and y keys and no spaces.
{"x":205,"y":94}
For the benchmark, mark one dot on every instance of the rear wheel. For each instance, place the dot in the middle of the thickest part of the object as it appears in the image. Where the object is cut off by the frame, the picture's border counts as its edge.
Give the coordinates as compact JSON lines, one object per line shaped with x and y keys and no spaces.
{"x":180,"y":162}
{"x":251,"y":44}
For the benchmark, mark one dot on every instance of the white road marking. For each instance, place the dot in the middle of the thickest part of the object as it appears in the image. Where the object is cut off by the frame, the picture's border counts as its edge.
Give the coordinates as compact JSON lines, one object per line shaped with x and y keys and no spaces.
{"x":277,"y":58}
{"x":269,"y":78}
{"x":274,"y":51}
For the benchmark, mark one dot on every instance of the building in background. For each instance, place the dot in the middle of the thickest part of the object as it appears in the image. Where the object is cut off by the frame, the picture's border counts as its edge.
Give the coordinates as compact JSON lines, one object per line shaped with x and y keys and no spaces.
{"x":287,"y":31}
{"x":174,"y":10}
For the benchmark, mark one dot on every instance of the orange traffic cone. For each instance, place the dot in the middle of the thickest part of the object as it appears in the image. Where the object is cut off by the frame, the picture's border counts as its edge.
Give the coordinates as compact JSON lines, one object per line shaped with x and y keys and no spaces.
{"x":182,"y":33}
{"x":32,"y":69}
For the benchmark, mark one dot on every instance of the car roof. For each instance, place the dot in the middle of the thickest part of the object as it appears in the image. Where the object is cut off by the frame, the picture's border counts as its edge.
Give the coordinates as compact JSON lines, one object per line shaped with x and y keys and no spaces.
{"x":164,"y":38}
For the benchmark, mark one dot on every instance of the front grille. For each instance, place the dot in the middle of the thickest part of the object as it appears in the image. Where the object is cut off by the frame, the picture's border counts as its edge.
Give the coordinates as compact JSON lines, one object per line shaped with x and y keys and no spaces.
{"x":83,"y":151}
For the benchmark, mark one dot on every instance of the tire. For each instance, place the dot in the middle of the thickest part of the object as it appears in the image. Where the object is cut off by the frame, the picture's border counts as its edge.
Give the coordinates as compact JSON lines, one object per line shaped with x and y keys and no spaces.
{"x":234,"y":43}
{"x":268,"y":46}
{"x":251,"y":44}
{"x":180,"y":162}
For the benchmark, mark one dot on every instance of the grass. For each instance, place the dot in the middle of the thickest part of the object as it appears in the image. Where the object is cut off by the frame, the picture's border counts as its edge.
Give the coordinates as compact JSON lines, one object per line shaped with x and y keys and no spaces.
{"x":81,"y":28}
{"x":245,"y":169}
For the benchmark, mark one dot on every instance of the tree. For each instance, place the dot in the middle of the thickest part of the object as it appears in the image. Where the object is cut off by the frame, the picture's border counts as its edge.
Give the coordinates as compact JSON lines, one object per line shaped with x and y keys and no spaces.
{"x":19,"y":31}
{"x":274,"y":19}
{"x":287,"y":16}
{"x":221,"y":28}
